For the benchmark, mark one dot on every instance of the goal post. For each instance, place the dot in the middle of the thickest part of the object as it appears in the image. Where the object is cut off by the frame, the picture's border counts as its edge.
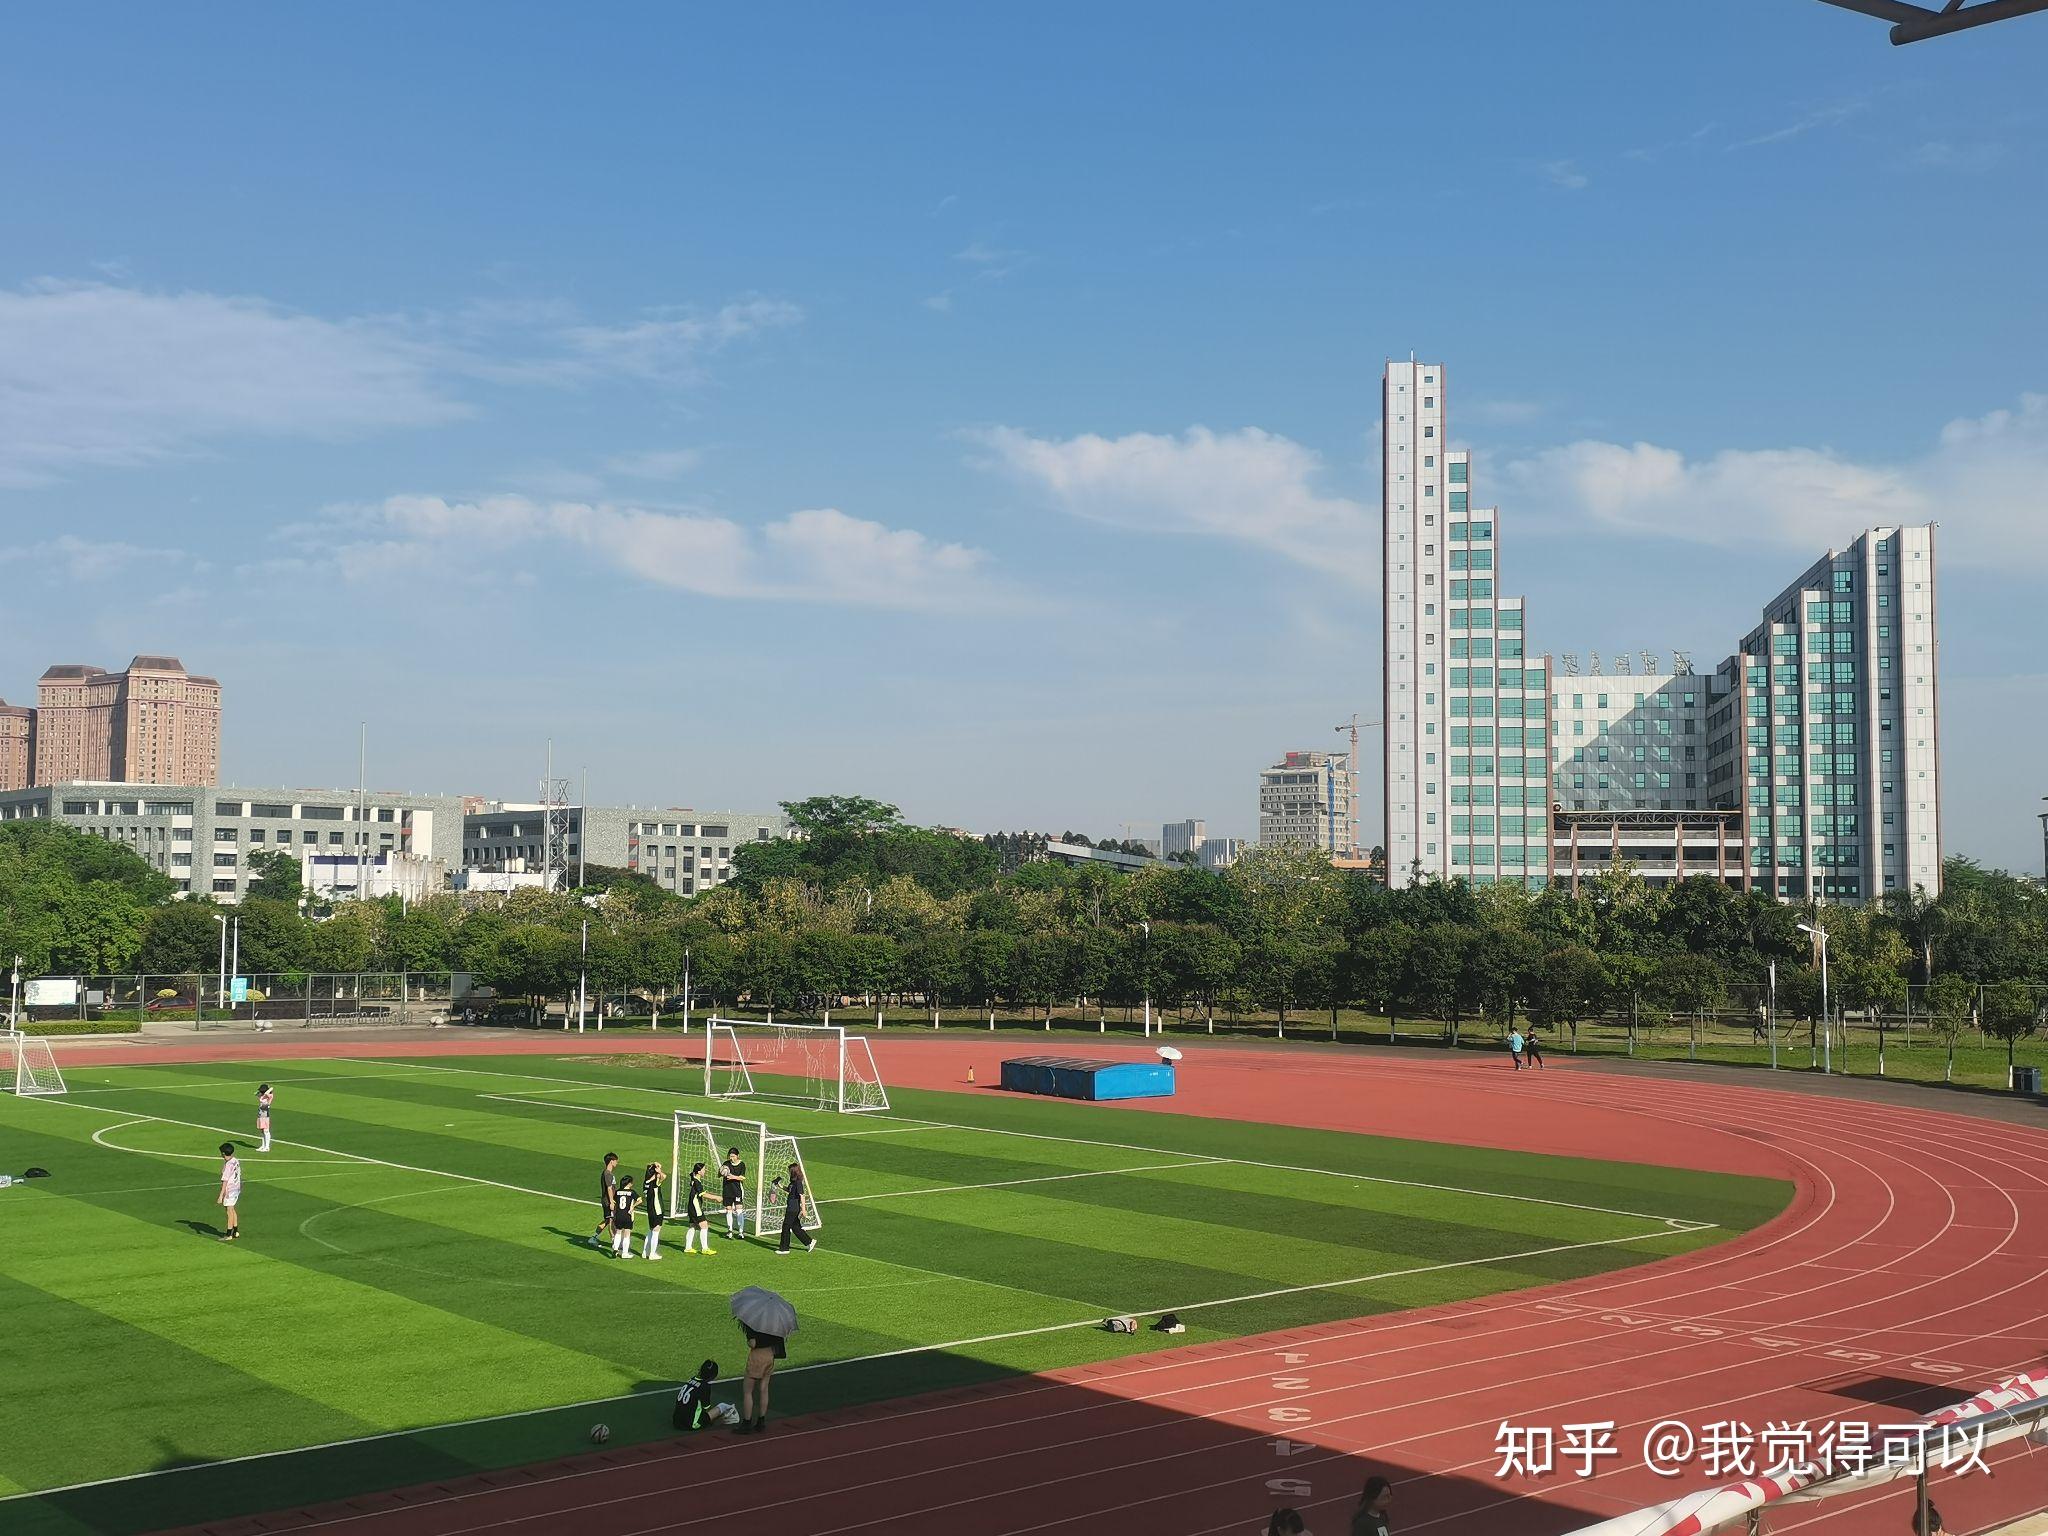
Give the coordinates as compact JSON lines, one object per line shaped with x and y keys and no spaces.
{"x":817,"y":1065}
{"x":29,"y":1066}
{"x":704,"y":1138}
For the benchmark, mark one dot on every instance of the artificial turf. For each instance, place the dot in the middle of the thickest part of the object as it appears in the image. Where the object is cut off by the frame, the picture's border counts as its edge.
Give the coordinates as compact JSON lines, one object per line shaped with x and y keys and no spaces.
{"x":413,"y":1263}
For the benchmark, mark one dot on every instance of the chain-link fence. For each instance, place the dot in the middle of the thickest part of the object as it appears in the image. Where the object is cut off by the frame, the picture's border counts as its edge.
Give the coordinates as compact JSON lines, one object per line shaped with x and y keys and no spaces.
{"x":274,"y":1001}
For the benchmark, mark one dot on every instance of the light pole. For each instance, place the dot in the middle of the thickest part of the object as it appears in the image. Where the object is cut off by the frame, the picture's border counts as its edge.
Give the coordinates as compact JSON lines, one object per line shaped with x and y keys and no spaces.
{"x":218,"y":918}
{"x":583,"y":977}
{"x":1145,"y":966}
{"x":1771,"y":1016}
{"x":686,"y":989}
{"x":1827,"y":1033}
{"x":235,"y":953}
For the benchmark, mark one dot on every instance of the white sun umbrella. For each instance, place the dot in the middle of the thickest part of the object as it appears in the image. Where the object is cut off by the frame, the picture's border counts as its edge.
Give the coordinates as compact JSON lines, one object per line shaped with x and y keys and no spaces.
{"x":764,"y":1311}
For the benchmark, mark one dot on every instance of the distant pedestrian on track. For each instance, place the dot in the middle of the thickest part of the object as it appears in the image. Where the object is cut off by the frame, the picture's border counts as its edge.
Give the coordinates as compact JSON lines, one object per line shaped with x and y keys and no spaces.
{"x":656,"y":1207}
{"x":607,"y":1196}
{"x":1370,"y":1518}
{"x":263,"y":1098}
{"x":230,"y":1189}
{"x":733,"y":1176}
{"x":1286,"y":1522}
{"x":1515,"y":1048}
{"x":1932,"y":1526}
{"x":696,"y":1220}
{"x":793,"y":1211}
{"x":1532,"y":1048}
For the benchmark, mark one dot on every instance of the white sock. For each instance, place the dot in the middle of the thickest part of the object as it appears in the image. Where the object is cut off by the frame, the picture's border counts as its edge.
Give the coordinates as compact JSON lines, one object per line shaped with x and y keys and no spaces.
{"x":689,"y":1239}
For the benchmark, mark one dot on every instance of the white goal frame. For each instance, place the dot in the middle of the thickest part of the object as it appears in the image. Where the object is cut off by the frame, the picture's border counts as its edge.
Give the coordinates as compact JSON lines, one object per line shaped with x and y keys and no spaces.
{"x":28,"y":1066}
{"x":837,"y":1069}
{"x":701,"y":1137}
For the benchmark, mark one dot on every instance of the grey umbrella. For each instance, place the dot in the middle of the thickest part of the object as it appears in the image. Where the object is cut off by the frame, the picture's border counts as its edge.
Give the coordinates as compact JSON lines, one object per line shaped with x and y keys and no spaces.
{"x":764,"y":1311}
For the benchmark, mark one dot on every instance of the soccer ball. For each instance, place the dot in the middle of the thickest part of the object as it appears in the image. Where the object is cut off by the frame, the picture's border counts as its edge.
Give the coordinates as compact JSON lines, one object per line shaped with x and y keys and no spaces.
{"x":599,"y":1433}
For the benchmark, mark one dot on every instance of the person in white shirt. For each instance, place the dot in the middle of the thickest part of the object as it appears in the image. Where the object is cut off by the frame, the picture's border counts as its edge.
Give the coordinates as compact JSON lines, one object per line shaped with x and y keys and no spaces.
{"x":230,"y":1189}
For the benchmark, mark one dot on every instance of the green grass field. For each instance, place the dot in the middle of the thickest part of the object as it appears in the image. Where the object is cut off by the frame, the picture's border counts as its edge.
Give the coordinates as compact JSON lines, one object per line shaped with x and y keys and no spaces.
{"x":412,"y":1296}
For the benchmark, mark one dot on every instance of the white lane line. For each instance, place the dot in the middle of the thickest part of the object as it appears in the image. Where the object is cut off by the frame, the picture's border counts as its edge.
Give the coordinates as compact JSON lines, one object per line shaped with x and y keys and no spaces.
{"x":828,"y":1365}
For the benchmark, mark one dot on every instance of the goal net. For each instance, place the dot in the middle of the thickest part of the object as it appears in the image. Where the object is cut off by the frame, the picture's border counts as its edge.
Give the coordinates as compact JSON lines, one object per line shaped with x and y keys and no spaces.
{"x":704,"y":1138}
{"x":820,"y":1066}
{"x":28,"y":1065}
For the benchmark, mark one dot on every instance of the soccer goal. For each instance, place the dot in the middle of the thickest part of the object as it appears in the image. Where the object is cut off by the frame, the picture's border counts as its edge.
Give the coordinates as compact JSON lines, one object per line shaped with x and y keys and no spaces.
{"x":704,"y":1138}
{"x":28,"y":1065}
{"x":820,"y":1066}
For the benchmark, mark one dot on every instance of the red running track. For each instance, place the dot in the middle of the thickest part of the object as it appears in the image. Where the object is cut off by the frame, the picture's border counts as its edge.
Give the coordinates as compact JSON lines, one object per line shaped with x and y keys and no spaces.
{"x":1907,"y":1272}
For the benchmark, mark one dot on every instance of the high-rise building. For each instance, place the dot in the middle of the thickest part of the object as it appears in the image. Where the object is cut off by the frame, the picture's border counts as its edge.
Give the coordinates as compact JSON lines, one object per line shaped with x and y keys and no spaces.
{"x":678,"y":849}
{"x":1827,"y":730}
{"x":1182,"y":837}
{"x":1467,"y":782}
{"x":1807,"y":765}
{"x":154,"y":723}
{"x":1305,"y":798}
{"x":17,"y":746}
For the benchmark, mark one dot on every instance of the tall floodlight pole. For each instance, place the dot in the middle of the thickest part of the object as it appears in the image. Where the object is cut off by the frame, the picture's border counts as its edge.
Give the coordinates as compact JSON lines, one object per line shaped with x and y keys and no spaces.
{"x":1771,"y":1016}
{"x":583,"y":978}
{"x":362,"y":811}
{"x":235,"y":947}
{"x":582,"y":827}
{"x":686,"y":989}
{"x":1145,"y":963}
{"x":1827,"y":1034}
{"x":218,"y":918}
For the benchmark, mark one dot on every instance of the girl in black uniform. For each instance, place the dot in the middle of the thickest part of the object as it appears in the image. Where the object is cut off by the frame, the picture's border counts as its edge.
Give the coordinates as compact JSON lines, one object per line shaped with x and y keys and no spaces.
{"x":733,"y":1173}
{"x":622,"y":1219}
{"x":651,"y":1199}
{"x":793,"y":1211}
{"x":697,"y":1226}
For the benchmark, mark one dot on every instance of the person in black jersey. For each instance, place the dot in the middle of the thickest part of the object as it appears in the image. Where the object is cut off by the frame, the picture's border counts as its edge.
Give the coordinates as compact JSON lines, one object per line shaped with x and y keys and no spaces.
{"x":733,"y":1173}
{"x":696,"y":1223}
{"x":793,"y":1210}
{"x":607,"y":1191}
{"x":656,"y":1207}
{"x":1532,"y":1048}
{"x":622,"y":1220}
{"x":693,"y":1408}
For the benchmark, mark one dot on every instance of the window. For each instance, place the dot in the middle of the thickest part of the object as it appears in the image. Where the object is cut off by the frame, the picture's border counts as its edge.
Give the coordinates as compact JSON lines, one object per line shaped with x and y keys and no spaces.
{"x":274,"y":812}
{"x":228,"y":807}
{"x":1458,"y":473}
{"x":224,"y":885}
{"x":223,"y":861}
{"x":225,"y":834}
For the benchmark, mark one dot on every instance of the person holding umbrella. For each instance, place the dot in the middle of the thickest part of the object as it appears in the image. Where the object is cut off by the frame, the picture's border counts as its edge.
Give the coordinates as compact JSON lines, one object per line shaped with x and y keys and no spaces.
{"x":767,"y":1320}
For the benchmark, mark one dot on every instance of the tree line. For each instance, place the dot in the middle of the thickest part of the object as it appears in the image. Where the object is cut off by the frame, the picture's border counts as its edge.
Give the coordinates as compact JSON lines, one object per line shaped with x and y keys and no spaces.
{"x":860,"y":906}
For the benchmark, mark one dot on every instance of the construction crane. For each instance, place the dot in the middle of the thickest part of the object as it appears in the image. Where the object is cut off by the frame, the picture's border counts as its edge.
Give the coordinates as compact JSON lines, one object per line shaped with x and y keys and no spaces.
{"x":1354,"y":725}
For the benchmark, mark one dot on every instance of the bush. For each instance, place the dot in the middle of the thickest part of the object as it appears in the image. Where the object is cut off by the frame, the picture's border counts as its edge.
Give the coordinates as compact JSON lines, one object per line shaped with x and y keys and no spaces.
{"x":80,"y":1027}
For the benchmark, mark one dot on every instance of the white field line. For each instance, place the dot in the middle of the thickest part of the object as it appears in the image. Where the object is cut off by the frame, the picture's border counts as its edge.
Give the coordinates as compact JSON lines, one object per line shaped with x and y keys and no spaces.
{"x":237,"y":1084}
{"x":1047,"y":1178}
{"x":828,"y":1365}
{"x":914,"y":1122}
{"x":546,"y":1194}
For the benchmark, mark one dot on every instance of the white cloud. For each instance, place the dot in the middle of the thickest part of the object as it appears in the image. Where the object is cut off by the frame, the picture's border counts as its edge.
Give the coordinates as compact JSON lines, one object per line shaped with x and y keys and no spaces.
{"x":1825,"y":117}
{"x":656,"y":463}
{"x":96,"y":374}
{"x":82,"y":560}
{"x":819,"y":555}
{"x":1939,"y":154}
{"x":670,"y":344}
{"x":992,"y":263}
{"x":1566,"y":174}
{"x":1982,"y":479}
{"x":1249,"y":486}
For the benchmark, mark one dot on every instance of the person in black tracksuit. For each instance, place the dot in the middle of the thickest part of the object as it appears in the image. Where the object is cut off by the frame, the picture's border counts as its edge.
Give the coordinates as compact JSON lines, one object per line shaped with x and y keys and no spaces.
{"x":607,"y":1193}
{"x":656,"y":1206}
{"x":733,"y":1178}
{"x":793,"y":1211}
{"x":696,"y":1225}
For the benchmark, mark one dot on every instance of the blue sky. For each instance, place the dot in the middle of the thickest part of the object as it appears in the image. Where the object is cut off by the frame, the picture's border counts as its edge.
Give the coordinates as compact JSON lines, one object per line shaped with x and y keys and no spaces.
{"x":975,"y":407}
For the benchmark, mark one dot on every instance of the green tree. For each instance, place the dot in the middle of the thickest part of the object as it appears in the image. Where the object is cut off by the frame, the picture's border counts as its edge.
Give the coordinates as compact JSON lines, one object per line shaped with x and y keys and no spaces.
{"x":180,"y":938}
{"x":1951,"y":1003}
{"x":277,"y":876}
{"x":1565,"y":985}
{"x":821,"y":814}
{"x":2010,"y":1013}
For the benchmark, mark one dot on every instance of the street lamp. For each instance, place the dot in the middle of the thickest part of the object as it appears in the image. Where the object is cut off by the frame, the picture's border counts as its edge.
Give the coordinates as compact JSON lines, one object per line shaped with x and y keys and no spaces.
{"x":1827,"y":1032}
{"x":218,"y":918}
{"x":582,"y":979}
{"x":1145,"y":966}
